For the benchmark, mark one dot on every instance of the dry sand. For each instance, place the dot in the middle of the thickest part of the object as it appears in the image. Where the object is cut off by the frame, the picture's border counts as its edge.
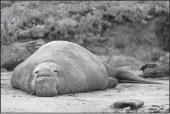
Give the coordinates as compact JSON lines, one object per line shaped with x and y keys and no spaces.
{"x":155,"y":97}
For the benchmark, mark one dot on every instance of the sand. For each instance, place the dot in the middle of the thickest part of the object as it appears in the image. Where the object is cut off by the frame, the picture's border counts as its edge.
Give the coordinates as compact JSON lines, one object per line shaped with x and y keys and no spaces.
{"x":155,"y":97}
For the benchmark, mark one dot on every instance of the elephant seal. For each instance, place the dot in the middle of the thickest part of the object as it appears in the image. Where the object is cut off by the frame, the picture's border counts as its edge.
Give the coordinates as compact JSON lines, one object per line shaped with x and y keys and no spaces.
{"x":62,"y":67}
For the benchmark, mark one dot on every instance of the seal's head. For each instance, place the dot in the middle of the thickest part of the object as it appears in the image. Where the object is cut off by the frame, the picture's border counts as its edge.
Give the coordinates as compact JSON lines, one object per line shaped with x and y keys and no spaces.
{"x":45,"y":79}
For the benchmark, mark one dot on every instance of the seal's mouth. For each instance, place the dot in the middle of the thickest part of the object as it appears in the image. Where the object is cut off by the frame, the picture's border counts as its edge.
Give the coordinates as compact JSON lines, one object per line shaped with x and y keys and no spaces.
{"x":42,"y":75}
{"x":46,"y":86}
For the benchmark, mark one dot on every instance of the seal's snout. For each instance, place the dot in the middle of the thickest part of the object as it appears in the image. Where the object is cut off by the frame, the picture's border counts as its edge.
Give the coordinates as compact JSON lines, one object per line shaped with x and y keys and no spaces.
{"x":45,"y":81}
{"x":46,"y":87}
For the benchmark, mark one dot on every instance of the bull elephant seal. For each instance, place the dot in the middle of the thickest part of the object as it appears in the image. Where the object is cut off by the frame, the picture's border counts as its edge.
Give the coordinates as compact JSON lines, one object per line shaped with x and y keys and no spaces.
{"x":62,"y":67}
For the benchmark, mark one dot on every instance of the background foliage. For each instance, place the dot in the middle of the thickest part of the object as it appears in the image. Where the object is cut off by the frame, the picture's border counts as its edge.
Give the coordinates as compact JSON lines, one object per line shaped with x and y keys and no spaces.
{"x":133,"y":28}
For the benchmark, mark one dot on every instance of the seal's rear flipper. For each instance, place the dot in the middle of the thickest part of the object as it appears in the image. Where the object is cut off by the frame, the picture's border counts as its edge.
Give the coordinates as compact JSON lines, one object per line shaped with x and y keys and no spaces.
{"x":127,"y":77}
{"x":141,"y":82}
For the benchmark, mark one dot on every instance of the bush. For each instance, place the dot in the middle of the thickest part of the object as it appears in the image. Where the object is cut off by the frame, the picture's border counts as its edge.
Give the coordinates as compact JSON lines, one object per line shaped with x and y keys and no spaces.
{"x":121,"y":25}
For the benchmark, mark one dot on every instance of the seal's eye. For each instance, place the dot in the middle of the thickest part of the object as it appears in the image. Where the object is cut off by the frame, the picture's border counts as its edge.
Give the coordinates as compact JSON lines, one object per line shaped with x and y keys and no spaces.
{"x":55,"y":70}
{"x":36,"y":72}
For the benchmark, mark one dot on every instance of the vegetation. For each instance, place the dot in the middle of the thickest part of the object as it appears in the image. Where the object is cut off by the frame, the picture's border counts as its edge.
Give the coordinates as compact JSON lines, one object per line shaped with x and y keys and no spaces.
{"x":133,"y":28}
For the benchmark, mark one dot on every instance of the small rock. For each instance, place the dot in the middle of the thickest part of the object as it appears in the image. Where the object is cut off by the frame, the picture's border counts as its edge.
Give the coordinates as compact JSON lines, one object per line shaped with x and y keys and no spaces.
{"x":148,"y":66}
{"x":158,"y":71}
{"x":132,"y":103}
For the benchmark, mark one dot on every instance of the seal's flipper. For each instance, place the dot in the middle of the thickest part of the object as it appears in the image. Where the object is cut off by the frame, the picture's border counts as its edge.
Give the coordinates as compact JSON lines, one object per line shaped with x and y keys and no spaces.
{"x":125,"y":76}
{"x":112,"y":82}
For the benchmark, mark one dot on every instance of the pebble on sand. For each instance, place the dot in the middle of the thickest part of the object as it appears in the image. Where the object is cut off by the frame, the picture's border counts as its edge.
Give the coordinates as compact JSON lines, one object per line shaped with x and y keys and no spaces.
{"x":132,"y":103}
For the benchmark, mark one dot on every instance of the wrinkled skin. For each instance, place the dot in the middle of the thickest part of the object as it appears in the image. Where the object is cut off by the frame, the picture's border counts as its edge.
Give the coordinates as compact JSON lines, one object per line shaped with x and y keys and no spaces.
{"x":62,"y":67}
